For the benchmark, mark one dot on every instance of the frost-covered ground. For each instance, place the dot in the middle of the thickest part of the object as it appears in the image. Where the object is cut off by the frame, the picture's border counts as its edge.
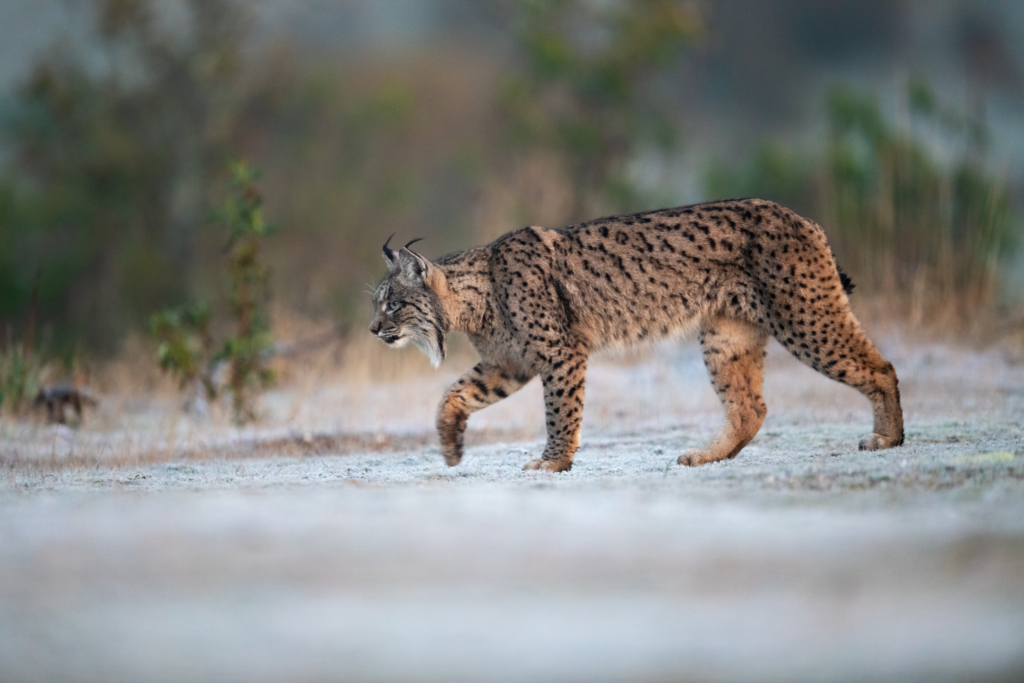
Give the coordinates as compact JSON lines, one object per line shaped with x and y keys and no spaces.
{"x":333,"y":544}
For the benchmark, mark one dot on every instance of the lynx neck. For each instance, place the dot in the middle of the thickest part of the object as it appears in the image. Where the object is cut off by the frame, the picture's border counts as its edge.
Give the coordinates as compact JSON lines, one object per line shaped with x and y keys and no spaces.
{"x":467,"y":289}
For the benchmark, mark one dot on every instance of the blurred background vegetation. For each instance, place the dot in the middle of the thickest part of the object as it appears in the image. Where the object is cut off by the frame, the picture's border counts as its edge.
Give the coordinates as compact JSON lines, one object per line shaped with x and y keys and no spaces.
{"x":893,"y":123}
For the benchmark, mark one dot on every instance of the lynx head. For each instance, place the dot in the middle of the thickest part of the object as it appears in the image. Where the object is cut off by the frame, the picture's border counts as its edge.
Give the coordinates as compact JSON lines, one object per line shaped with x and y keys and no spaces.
{"x":406,"y":305}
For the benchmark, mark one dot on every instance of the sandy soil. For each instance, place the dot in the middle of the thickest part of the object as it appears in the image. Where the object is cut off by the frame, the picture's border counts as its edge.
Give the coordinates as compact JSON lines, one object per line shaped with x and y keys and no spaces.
{"x":332,"y":543}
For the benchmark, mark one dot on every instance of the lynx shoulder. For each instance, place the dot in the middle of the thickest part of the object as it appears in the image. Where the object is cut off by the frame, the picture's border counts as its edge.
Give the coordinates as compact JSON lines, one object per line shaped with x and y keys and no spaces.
{"x":538,"y":302}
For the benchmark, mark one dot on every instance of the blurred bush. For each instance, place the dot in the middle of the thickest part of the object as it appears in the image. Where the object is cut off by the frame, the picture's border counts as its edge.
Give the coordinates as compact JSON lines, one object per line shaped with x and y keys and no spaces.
{"x":352,"y":155}
{"x":931,"y":233}
{"x":587,"y":91}
{"x":112,"y":152}
{"x":247,"y":350}
{"x":115,"y":153}
{"x":116,"y":149}
{"x":187,"y":348}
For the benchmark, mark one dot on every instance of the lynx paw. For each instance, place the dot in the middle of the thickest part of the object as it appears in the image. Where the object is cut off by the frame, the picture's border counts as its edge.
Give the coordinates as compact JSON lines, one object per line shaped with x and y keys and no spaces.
{"x":876,"y":442}
{"x":549,"y":465}
{"x":693,"y":458}
{"x":452,"y":456}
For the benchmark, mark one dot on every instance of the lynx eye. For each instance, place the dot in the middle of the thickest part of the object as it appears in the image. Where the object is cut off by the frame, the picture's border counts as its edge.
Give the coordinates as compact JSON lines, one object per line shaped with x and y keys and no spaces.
{"x":391,"y":306}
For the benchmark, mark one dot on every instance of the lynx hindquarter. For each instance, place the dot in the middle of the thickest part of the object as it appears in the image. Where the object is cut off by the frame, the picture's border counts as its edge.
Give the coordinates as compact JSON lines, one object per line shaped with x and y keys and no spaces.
{"x":537,"y":302}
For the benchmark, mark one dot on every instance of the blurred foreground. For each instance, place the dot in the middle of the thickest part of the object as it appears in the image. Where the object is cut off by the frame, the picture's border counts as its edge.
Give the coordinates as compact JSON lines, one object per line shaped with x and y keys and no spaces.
{"x":161,"y":550}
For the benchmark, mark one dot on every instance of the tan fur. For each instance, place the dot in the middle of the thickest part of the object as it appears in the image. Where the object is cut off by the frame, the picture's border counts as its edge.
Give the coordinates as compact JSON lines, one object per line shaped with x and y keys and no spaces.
{"x":538,"y":302}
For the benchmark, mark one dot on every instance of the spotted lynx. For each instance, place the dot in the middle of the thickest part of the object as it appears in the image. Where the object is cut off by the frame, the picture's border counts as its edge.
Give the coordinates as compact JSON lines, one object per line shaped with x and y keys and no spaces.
{"x":539,"y":302}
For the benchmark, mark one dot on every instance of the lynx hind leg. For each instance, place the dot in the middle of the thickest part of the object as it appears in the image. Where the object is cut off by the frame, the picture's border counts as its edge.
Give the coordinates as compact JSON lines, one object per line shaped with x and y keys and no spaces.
{"x":734,"y":353}
{"x":826,"y":336}
{"x":480,"y":387}
{"x":881,"y":386}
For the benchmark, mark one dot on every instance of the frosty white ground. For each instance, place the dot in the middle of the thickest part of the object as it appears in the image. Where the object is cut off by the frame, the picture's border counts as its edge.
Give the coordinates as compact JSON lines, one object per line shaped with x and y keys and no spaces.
{"x":802,"y":559}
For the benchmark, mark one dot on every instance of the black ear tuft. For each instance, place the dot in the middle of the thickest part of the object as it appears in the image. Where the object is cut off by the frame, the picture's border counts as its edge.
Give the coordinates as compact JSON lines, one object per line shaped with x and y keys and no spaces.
{"x":390,"y":255}
{"x":418,"y":239}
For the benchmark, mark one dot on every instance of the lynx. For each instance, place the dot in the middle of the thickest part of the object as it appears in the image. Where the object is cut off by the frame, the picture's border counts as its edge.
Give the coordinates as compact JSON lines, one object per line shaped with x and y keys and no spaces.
{"x":538,"y":302}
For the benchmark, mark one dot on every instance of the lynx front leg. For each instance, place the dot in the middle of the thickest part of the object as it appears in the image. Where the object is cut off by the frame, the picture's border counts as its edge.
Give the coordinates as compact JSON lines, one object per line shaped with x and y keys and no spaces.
{"x":563,"y":401}
{"x":734,"y":355}
{"x":480,"y":387}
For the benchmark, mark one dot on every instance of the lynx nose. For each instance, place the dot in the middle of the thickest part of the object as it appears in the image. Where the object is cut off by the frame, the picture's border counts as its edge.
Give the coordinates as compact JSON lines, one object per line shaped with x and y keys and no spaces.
{"x":375,"y":327}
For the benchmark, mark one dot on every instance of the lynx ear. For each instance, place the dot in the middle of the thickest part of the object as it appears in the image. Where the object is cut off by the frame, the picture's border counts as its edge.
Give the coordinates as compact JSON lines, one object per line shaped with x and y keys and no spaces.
{"x":413,"y":266}
{"x":419,"y":271}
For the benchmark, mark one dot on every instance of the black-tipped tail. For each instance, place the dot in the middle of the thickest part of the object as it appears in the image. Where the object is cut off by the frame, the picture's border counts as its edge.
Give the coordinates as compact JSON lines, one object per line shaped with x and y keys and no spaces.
{"x":846,"y":281}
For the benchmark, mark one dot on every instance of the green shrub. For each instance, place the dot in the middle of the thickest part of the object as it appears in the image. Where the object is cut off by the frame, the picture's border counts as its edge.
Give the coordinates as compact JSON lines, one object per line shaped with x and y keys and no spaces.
{"x":186,"y":345}
{"x":248,"y":348}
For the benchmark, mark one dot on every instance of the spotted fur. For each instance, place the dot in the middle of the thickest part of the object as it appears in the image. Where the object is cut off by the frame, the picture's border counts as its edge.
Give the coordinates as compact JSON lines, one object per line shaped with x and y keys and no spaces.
{"x":538,"y":302}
